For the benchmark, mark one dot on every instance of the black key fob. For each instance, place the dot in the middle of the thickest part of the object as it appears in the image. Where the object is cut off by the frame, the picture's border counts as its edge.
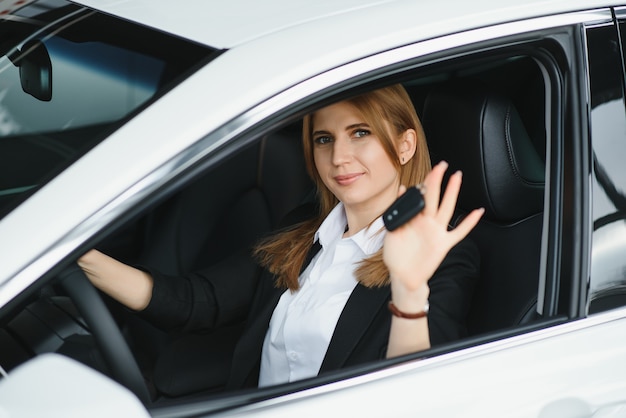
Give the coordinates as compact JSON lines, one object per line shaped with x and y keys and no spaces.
{"x":403,"y":209}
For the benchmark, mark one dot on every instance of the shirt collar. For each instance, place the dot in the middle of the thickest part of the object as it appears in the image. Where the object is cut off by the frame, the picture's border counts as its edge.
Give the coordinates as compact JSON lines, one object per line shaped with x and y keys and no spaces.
{"x":369,"y":239}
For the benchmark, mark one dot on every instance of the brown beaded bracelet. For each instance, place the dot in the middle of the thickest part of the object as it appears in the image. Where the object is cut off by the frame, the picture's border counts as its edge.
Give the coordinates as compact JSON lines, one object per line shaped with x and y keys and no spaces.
{"x":397,"y":312}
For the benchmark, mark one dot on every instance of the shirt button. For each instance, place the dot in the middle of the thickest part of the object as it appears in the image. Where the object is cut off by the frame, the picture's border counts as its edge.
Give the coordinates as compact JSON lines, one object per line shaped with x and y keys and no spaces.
{"x":293,"y":355}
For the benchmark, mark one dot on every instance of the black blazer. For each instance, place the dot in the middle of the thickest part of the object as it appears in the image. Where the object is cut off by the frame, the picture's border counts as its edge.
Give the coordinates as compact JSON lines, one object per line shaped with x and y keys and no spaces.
{"x":236,"y":287}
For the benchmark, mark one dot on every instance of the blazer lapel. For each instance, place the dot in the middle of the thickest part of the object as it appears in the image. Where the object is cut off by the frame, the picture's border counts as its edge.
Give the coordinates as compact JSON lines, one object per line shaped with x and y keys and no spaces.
{"x":362,"y":306}
{"x":246,"y":358}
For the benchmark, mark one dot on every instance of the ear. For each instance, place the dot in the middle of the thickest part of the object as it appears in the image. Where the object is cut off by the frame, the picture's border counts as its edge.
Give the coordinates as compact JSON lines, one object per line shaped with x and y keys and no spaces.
{"x":407,"y":146}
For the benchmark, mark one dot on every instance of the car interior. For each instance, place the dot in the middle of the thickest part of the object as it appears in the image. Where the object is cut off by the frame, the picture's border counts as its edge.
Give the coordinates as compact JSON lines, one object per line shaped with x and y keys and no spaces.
{"x":480,"y":132}
{"x":487,"y":119}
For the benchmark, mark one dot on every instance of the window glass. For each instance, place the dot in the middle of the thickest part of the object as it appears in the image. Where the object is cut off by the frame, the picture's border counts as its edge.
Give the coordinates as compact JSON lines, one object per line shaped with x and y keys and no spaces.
{"x":68,"y":77}
{"x":608,"y":130}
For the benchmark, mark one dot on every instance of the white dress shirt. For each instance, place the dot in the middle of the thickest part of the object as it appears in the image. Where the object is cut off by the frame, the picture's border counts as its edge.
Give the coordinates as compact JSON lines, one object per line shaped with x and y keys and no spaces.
{"x":303,"y":322}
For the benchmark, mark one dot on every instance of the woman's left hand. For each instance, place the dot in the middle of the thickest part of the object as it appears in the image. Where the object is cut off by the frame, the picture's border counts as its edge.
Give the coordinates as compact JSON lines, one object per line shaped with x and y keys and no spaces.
{"x":414,"y":251}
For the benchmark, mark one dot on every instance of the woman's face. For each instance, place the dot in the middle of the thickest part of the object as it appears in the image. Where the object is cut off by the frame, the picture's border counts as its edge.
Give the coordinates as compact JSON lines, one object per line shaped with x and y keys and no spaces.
{"x":351,"y":160}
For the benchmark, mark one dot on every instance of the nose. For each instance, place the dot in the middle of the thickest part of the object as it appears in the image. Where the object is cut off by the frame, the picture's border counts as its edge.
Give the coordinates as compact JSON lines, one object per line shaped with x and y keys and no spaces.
{"x":342,"y":150}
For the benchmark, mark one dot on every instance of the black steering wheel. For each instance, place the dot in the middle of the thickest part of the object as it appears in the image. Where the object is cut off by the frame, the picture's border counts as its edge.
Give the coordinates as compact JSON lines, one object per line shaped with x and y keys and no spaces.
{"x":109,"y":338}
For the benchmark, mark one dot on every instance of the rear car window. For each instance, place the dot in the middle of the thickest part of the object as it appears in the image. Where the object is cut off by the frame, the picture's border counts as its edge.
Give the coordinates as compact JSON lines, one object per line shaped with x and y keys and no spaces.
{"x":69,"y":76}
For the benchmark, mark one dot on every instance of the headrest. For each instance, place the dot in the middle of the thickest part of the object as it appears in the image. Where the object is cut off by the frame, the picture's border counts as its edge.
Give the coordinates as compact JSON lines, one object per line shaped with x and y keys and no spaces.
{"x":481,"y":133}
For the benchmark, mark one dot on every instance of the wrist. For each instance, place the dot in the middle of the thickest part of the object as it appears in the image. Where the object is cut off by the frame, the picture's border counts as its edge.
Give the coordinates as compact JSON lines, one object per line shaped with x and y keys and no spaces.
{"x":410,"y":301}
{"x":408,"y":315}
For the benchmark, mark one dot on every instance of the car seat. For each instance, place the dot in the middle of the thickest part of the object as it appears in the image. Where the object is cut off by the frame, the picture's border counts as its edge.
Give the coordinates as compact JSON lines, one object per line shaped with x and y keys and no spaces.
{"x":479,"y":131}
{"x":227,"y":210}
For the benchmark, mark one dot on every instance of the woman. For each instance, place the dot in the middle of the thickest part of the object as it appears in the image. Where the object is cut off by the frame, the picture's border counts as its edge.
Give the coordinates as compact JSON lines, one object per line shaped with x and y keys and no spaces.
{"x":337,"y":289}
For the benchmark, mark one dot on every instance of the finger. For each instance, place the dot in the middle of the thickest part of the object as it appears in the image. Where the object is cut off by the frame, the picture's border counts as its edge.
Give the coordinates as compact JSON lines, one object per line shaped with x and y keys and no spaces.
{"x":401,"y":190}
{"x":433,"y":188}
{"x":450,"y":196}
{"x":468,"y":223}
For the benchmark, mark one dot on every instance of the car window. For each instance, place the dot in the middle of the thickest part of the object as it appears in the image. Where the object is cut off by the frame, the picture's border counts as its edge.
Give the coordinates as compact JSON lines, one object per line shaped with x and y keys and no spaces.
{"x":68,"y":76}
{"x":608,"y":128}
{"x":268,"y":184}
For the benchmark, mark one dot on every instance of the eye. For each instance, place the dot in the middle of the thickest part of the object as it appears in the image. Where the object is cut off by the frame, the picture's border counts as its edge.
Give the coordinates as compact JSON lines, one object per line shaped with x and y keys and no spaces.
{"x":321,"y":140}
{"x":360,"y":133}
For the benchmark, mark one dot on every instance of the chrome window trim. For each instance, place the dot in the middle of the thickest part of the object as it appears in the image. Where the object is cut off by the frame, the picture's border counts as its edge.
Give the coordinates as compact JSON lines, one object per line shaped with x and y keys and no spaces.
{"x":620,"y":12}
{"x":281,"y":101}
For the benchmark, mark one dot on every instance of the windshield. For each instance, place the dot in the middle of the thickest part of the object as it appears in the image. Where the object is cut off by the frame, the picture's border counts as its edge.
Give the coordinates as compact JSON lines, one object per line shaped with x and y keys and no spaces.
{"x":69,"y":76}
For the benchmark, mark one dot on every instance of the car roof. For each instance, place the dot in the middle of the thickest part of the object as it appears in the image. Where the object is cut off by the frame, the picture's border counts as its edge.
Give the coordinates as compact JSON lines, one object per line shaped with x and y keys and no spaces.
{"x":226,"y":24}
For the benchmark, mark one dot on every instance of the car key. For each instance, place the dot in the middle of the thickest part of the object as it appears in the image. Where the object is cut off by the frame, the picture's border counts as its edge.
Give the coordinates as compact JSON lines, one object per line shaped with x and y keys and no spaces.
{"x":404,"y":209}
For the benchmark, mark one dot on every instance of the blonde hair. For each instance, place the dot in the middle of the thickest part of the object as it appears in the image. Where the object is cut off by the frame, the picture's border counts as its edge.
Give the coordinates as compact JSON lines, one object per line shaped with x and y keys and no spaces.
{"x":389,"y":112}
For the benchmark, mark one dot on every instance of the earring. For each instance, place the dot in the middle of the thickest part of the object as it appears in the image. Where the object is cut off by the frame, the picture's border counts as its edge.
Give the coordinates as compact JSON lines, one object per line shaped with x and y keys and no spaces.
{"x":402,"y":160}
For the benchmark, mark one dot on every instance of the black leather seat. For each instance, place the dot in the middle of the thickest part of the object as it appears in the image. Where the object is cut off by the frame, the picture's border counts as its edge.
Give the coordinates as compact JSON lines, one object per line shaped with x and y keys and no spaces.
{"x":480,"y":132}
{"x":227,"y":210}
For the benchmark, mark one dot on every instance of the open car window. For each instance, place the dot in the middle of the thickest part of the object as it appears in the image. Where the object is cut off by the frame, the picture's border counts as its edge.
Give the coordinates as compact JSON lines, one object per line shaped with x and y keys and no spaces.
{"x":68,"y":78}
{"x":208,"y":220}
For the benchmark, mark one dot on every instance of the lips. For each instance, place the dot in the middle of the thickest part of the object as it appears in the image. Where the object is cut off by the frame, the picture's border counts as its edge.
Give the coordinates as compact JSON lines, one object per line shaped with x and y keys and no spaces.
{"x":347,"y":179}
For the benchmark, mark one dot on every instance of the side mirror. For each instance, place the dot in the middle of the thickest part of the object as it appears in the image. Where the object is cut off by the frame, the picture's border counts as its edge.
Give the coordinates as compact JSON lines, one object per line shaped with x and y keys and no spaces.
{"x":35,"y":70}
{"x":54,"y":385}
